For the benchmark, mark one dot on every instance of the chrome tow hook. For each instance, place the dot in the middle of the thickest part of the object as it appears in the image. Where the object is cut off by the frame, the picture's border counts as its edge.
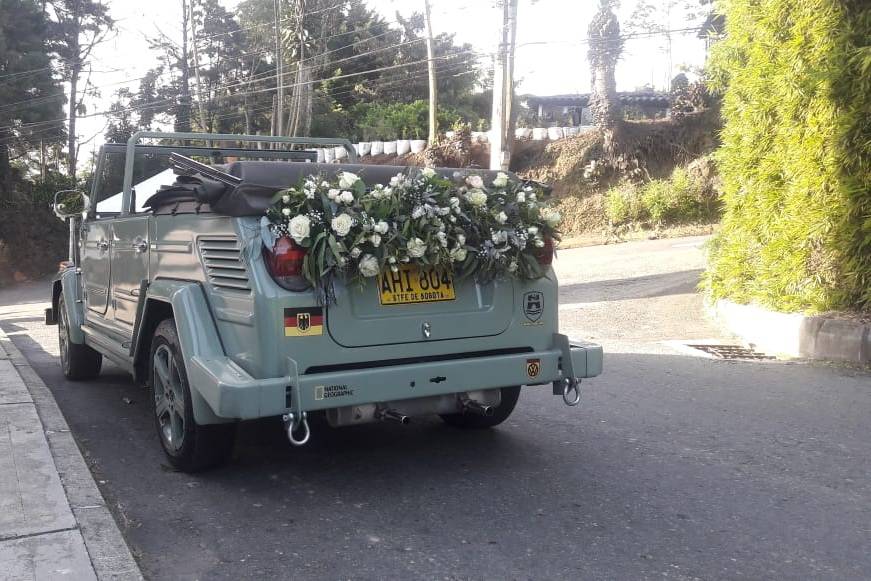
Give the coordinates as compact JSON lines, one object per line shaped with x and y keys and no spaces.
{"x":292,"y":424}
{"x":571,"y":391}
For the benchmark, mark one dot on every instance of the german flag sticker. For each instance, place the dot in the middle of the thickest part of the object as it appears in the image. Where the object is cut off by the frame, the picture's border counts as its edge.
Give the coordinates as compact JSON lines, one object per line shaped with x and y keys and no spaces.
{"x":305,"y":322}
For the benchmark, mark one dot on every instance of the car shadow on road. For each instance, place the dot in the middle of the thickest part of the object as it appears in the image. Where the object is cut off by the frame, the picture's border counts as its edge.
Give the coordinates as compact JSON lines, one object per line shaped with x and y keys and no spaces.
{"x":640,"y":287}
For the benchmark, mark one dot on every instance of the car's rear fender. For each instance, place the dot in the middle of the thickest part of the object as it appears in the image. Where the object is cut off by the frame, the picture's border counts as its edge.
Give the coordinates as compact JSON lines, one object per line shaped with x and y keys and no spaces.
{"x":197,"y":334}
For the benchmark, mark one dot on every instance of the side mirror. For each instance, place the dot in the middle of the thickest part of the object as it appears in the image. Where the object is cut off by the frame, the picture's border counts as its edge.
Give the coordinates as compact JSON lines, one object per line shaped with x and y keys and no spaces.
{"x":70,"y":203}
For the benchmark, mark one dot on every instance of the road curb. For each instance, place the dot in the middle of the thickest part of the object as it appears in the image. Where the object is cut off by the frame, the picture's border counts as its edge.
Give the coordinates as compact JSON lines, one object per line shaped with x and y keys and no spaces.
{"x":796,"y":335}
{"x":109,"y":553}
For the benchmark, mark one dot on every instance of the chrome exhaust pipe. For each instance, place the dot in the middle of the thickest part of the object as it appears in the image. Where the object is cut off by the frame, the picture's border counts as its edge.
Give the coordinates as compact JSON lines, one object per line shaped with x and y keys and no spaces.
{"x":471,"y":406}
{"x":384,"y":414}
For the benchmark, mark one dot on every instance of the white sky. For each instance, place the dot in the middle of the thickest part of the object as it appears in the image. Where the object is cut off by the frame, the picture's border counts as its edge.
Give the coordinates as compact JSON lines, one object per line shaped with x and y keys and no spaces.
{"x":550,"y":58}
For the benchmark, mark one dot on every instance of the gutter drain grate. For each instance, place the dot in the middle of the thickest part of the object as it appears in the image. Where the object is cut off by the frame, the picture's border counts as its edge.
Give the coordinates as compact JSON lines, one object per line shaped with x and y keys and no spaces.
{"x":732,"y":352}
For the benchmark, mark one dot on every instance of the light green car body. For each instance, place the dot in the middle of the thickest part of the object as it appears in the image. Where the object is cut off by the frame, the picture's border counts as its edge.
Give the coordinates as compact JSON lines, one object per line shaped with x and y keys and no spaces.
{"x":206,"y":271}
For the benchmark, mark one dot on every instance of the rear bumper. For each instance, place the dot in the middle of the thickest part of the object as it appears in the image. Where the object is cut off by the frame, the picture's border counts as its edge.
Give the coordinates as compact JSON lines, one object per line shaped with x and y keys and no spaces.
{"x":233,"y":393}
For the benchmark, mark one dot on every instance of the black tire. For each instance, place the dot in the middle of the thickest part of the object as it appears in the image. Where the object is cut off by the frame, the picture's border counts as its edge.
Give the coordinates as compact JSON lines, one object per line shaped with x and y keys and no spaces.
{"x":78,"y":362}
{"x":477,"y":422}
{"x":189,"y":446}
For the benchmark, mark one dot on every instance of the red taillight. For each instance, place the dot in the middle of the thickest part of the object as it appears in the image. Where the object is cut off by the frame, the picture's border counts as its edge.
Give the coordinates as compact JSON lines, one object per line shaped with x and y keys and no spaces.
{"x":284,"y":262}
{"x":544,"y":255}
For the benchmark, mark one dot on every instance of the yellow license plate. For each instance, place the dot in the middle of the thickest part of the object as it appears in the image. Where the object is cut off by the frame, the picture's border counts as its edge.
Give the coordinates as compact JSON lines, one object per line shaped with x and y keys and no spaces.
{"x":413,"y":284}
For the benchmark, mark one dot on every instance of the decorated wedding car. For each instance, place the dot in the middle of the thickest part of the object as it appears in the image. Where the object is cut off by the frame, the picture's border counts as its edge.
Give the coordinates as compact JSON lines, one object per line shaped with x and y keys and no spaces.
{"x":240,"y":283}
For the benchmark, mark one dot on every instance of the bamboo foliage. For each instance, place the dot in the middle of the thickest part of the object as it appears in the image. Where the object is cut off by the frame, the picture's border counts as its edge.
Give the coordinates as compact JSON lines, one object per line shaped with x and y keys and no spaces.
{"x":796,"y":154}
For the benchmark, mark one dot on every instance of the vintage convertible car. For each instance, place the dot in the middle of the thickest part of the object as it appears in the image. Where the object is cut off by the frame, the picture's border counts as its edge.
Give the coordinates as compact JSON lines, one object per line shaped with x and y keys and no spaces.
{"x":175,"y":284}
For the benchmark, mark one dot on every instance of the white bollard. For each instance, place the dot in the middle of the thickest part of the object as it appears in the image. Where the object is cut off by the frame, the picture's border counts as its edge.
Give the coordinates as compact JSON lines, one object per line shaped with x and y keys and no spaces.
{"x":329,"y":155}
{"x":403,"y":146}
{"x":571,"y":131}
{"x":365,"y":148}
{"x":418,"y":145}
{"x":539,"y":134}
{"x":377,"y":147}
{"x":522,"y":133}
{"x":340,"y":153}
{"x":389,"y":148}
{"x":321,"y":156}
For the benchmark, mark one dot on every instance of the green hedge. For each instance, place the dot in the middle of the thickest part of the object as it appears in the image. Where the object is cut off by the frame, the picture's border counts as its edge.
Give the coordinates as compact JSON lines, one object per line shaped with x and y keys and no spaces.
{"x":796,"y":154}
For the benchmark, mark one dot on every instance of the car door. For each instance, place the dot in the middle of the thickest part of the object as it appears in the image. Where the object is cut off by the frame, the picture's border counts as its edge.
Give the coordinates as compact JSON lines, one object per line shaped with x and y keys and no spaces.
{"x":129,"y":267}
{"x":95,"y":257}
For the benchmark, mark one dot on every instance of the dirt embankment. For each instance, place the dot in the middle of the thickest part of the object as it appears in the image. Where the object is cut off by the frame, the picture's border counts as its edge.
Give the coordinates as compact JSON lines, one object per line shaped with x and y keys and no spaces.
{"x":32,"y":242}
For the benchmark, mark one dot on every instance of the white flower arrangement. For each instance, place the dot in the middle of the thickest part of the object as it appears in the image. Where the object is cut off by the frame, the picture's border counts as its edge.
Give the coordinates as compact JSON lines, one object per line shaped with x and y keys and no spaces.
{"x":354,"y":232}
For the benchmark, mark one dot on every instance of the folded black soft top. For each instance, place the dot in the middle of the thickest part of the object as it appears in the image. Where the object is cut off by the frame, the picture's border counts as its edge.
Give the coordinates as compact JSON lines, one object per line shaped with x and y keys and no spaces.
{"x":262,"y":179}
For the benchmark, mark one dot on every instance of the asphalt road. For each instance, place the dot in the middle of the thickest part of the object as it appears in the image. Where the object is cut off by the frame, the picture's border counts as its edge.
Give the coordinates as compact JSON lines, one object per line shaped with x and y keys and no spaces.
{"x":675,"y":466}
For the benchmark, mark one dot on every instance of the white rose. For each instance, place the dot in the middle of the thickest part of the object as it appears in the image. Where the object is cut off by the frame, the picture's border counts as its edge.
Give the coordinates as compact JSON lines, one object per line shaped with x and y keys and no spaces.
{"x":392,"y":260}
{"x":532,"y":196}
{"x":532,"y":230}
{"x":285,"y":198}
{"x":417,"y":212}
{"x":347,"y":180}
{"x":356,"y":252}
{"x":416,"y":247}
{"x":375,"y":239}
{"x":477,"y":198}
{"x":501,"y":217}
{"x":427,"y":172}
{"x":475,"y":182}
{"x":381,"y":227}
{"x":397,"y":180}
{"x":461,"y":239}
{"x":443,"y":239}
{"x":501,"y":180}
{"x":458,"y":254}
{"x":286,"y":211}
{"x":342,"y":224}
{"x":521,"y":197}
{"x":550,"y":216}
{"x":299,"y":228}
{"x":368,"y":266}
{"x":334,"y":193}
{"x":539,"y":243}
{"x":347,"y":198}
{"x":455,"y":202}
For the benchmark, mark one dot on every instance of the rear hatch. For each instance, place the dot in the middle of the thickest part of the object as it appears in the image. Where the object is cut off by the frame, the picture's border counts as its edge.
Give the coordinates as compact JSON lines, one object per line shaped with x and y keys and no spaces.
{"x":359,"y":319}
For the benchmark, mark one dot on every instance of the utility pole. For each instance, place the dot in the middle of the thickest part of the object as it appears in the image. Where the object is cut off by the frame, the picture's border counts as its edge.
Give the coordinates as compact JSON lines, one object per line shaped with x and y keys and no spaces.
{"x":200,"y":106}
{"x":433,"y":85}
{"x":278,"y":127}
{"x":183,"y":116}
{"x":503,"y":89}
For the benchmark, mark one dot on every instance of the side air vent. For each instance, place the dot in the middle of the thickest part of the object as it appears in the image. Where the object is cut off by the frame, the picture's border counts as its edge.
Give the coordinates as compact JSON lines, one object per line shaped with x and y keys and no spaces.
{"x":225,"y":268}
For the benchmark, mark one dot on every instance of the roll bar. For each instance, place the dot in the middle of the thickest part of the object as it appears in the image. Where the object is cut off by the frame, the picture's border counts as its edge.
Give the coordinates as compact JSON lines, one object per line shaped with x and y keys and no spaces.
{"x":211,"y":137}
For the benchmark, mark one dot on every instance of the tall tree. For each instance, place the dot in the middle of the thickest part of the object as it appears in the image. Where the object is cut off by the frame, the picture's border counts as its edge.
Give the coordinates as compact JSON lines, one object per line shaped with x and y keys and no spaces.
{"x":28,"y":91}
{"x":80,"y":25}
{"x":605,"y":47}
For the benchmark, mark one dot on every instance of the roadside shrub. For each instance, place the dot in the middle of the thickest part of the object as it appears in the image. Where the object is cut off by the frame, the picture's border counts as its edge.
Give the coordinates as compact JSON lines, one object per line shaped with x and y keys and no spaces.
{"x":623,"y":204}
{"x":796,"y":154}
{"x":683,"y":198}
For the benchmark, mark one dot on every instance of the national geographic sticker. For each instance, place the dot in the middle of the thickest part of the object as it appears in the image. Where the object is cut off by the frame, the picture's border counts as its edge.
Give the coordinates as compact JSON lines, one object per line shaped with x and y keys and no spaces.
{"x":533,"y":367}
{"x":331,"y":391}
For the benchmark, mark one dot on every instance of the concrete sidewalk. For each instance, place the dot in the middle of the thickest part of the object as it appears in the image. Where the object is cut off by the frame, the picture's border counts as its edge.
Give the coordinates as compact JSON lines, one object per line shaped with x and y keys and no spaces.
{"x":54,"y":523}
